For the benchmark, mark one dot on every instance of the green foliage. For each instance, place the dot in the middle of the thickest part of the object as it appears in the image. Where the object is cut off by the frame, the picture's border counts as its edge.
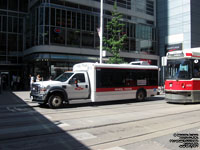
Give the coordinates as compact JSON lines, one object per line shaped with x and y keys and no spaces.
{"x":116,"y":37}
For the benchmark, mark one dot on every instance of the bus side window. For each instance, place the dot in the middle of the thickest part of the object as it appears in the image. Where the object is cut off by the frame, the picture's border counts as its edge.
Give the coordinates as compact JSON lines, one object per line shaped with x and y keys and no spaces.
{"x":80,"y":77}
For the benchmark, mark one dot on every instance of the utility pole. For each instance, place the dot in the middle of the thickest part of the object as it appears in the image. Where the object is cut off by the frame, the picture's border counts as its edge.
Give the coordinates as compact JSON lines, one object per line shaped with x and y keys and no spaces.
{"x":101,"y":32}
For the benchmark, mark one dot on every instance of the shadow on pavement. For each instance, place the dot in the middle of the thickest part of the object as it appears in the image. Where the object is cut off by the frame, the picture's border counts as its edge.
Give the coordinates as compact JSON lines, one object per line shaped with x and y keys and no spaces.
{"x":22,"y":127}
{"x":86,"y":103}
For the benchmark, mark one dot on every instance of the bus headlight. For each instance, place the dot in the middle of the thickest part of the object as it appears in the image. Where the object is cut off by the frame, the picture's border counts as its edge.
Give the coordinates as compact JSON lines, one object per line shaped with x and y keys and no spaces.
{"x":43,"y":89}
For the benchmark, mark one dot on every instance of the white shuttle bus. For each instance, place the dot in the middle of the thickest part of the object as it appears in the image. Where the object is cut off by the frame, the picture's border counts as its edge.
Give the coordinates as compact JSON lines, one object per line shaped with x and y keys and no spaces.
{"x":98,"y":82}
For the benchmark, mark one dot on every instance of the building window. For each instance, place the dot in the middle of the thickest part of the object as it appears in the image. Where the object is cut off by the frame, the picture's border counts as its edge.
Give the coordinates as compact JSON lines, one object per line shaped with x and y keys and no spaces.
{"x":21,"y":25}
{"x":120,"y":3}
{"x":150,"y":7}
{"x":88,"y":23}
{"x":41,"y":34}
{"x":2,"y":43}
{"x":12,"y":43}
{"x":13,"y":5}
{"x":73,"y":37}
{"x":132,"y":45}
{"x":58,"y":17}
{"x":53,"y":18}
{"x":46,"y":35}
{"x":20,"y":43}
{"x":88,"y":39}
{"x":15,"y":24}
{"x":78,"y":21}
{"x":74,"y":20}
{"x":9,"y":24}
{"x":41,"y":15}
{"x":46,"y":16}
{"x":57,"y":35}
{"x":4,"y":23}
{"x":23,"y":5}
{"x":3,"y":4}
{"x":63,"y":24}
{"x":97,"y":40}
{"x":69,"y":18}
{"x":83,"y":22}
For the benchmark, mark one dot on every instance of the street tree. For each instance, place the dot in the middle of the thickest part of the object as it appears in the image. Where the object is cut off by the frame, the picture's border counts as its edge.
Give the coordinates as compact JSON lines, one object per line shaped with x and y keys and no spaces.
{"x":115,"y":40}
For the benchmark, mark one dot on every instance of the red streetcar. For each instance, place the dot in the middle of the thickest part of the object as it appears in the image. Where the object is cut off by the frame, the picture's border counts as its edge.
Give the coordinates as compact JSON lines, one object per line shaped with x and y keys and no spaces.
{"x":182,"y":84}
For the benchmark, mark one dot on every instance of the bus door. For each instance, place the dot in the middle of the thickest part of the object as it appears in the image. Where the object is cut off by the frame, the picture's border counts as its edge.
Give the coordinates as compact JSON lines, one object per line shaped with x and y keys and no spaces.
{"x":78,"y":86}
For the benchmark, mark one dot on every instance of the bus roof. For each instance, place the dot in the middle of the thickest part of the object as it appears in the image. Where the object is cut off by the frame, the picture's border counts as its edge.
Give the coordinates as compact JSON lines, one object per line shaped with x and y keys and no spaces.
{"x":192,"y":53}
{"x":87,"y":66}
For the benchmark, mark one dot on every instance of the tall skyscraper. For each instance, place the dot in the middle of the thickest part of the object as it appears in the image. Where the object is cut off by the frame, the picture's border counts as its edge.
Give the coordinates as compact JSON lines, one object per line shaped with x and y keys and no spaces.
{"x":178,"y":24}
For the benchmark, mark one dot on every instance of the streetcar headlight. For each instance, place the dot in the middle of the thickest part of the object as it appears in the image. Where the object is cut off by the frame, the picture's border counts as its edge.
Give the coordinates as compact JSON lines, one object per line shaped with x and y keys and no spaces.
{"x":183,"y":85}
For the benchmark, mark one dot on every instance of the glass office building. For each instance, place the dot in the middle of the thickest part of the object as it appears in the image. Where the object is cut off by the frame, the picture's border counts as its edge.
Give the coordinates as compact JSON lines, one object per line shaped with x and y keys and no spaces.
{"x":178,"y":24}
{"x":12,"y":27}
{"x":57,"y":34}
{"x":62,"y":33}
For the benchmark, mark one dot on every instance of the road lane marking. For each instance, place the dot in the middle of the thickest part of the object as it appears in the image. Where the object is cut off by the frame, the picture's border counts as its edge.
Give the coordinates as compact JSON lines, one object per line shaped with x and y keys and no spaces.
{"x":115,"y":148}
{"x":83,"y":136}
{"x":48,"y":117}
{"x":63,"y":125}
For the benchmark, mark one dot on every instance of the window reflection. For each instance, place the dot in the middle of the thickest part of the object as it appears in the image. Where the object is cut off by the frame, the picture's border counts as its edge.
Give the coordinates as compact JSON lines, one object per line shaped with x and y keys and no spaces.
{"x":73,"y":37}
{"x":79,"y":29}
{"x":87,"y":39}
{"x":57,"y":35}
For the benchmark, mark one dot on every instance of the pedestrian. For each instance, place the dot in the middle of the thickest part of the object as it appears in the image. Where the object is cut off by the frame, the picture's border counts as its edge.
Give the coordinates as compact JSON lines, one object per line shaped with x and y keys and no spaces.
{"x":4,"y":82}
{"x":18,"y":82}
{"x":31,"y":80}
{"x":14,"y":82}
{"x":38,"y":78}
{"x":0,"y":83}
{"x":50,"y":78}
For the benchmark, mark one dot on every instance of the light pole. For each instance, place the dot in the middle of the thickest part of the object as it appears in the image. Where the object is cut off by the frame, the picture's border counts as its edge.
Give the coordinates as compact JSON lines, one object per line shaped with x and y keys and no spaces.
{"x":101,"y":32}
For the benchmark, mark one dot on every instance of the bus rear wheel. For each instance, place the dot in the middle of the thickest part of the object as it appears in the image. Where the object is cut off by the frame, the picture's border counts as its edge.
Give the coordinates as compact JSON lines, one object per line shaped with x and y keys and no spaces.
{"x":140,"y":95}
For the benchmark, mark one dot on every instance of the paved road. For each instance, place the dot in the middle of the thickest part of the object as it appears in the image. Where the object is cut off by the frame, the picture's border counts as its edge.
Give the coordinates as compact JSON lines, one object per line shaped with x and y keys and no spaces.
{"x":120,"y":125}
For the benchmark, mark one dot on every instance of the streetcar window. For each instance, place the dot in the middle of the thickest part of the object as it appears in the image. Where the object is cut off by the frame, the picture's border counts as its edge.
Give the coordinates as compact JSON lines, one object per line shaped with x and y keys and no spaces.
{"x":178,"y":69}
{"x":196,"y":69}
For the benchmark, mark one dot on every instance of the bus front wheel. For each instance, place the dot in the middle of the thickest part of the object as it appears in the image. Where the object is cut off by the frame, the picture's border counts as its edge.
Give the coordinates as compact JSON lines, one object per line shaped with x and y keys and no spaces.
{"x":140,"y":95}
{"x":55,"y":101}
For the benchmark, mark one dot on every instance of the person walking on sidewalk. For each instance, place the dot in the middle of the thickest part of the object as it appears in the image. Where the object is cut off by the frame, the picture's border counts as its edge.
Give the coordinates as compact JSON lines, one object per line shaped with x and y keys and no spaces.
{"x":31,"y":80}
{"x":38,"y":78}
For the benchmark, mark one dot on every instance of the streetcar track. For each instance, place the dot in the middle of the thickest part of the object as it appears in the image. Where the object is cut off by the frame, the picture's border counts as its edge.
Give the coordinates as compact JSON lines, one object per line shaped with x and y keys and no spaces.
{"x":111,"y":124}
{"x":35,"y":112}
{"x":92,"y":108}
{"x":130,"y":121}
{"x":97,"y":144}
{"x":144,"y":134}
{"x":44,"y":119}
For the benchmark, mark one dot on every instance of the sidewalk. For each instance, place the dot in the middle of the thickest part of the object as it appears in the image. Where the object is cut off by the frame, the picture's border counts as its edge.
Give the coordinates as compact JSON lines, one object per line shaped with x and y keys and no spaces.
{"x":14,"y":98}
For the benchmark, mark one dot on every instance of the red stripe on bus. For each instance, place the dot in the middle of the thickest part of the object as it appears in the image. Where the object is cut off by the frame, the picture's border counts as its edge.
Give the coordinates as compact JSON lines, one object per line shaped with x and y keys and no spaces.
{"x":124,"y":88}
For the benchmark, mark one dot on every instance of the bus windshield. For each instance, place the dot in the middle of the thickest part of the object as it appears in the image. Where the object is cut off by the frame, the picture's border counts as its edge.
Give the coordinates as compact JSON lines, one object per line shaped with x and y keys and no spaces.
{"x":178,"y":69}
{"x":64,"y":77}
